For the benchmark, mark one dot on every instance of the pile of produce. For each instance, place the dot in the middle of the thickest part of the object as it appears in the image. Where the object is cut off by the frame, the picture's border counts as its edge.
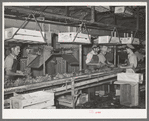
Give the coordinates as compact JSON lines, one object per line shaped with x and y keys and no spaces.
{"x":62,"y":76}
{"x":30,"y":80}
{"x":25,"y":81}
{"x":58,"y":76}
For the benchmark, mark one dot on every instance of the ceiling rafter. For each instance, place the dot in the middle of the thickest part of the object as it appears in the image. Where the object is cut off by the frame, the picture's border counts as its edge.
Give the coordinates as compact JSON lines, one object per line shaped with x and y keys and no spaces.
{"x":62,"y":17}
{"x":106,"y":16}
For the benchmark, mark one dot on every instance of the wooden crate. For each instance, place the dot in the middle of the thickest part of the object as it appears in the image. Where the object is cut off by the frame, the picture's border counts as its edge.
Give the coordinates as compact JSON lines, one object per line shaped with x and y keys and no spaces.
{"x":106,"y":39}
{"x":68,"y":37}
{"x":129,"y":40}
{"x":35,"y":100}
{"x":66,"y":101}
{"x":83,"y":98}
{"x":129,"y":93}
{"x":24,"y":35}
{"x":50,"y":107}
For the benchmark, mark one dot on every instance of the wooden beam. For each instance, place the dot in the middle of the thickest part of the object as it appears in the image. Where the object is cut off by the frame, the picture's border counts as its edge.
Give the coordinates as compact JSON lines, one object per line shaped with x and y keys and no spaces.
{"x":85,"y":15}
{"x":28,"y":11}
{"x":44,"y":8}
{"x":58,"y":23}
{"x":76,"y":12}
{"x":92,"y":14}
{"x":66,"y":11}
{"x":106,"y":16}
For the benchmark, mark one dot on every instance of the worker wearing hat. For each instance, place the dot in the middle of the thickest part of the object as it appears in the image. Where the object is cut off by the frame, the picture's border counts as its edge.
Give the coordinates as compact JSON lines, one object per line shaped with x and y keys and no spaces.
{"x":92,"y":59}
{"x":11,"y":61}
{"x":132,"y":59}
{"x":102,"y":59}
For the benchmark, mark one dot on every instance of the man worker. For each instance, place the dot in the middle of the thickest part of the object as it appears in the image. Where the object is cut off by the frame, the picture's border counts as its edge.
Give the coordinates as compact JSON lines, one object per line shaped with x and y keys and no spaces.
{"x":102,"y":59}
{"x":132,"y":58}
{"x":11,"y":62}
{"x":92,"y":59}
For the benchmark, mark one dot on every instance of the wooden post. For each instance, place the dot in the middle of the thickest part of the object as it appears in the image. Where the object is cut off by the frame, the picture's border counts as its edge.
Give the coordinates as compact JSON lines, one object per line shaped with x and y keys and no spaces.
{"x":72,"y":93}
{"x":124,"y":35}
{"x":114,"y":47}
{"x":80,"y":57}
{"x":117,"y":59}
{"x":91,"y":93}
{"x":44,"y":63}
{"x":44,"y":66}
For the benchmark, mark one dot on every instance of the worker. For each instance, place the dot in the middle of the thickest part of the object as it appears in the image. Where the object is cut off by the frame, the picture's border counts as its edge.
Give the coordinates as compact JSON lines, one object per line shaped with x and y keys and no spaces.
{"x":11,"y":62}
{"x":139,"y":56}
{"x":92,"y":59}
{"x":109,"y":55}
{"x":132,"y":59}
{"x":102,"y":59}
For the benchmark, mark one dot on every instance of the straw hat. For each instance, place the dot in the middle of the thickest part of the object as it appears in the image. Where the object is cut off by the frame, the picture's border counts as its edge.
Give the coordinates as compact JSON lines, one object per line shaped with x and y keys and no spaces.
{"x":130,"y":46}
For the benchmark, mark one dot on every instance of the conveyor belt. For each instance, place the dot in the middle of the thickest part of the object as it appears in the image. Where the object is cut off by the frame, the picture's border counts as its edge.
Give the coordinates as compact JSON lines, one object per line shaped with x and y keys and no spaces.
{"x":82,"y":80}
{"x":90,"y":79}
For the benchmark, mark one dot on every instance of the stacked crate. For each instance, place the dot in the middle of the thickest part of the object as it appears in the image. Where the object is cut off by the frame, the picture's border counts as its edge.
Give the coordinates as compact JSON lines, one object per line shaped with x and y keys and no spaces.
{"x":35,"y":100}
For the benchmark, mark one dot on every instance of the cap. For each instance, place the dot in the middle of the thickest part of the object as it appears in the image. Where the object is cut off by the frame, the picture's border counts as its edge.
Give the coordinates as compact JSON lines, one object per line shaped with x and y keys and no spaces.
{"x":104,"y":48}
{"x":94,"y":46}
{"x":130,"y":46}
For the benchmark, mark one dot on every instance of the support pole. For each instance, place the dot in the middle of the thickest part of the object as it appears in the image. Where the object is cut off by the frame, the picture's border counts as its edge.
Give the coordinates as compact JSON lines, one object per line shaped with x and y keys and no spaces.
{"x":23,"y":25}
{"x":39,"y":27}
{"x":80,"y":57}
{"x":114,"y":48}
{"x":72,"y":93}
{"x":44,"y":63}
{"x":44,"y":66}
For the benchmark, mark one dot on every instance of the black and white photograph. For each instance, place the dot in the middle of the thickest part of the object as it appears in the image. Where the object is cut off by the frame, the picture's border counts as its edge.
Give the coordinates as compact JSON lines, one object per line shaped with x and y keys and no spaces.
{"x":74,"y":60}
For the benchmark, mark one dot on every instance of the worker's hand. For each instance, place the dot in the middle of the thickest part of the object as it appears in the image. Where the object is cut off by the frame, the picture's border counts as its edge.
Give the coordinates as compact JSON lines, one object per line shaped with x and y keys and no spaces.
{"x":20,"y":73}
{"x":121,"y":66}
{"x":102,"y":64}
{"x":111,"y":65}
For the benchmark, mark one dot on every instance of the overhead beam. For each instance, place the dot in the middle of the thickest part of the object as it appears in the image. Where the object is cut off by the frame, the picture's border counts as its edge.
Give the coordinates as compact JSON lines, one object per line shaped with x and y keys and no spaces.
{"x":28,"y":11}
{"x":76,"y":11}
{"x":82,"y":17}
{"x":127,"y":21}
{"x":107,"y":16}
{"x":44,"y":8}
{"x":58,"y":23}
